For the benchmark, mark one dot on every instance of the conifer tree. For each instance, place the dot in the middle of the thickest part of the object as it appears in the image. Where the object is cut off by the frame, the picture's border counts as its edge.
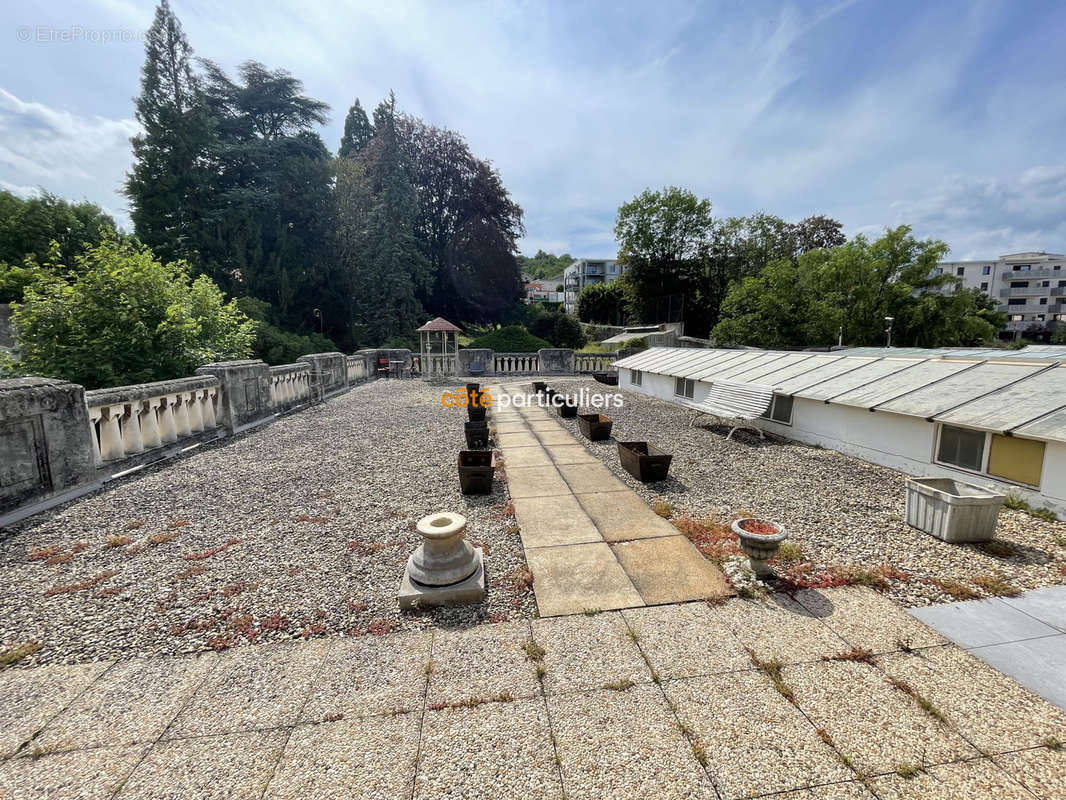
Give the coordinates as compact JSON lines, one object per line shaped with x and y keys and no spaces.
{"x":357,"y":131}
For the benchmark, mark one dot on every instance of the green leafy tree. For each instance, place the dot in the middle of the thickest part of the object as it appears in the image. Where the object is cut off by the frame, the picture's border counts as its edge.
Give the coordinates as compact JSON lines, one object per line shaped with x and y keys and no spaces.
{"x":358,"y":131}
{"x":29,"y":226}
{"x":544,"y":265}
{"x":568,"y":332}
{"x":510,"y":339}
{"x":603,"y":303}
{"x":126,"y":318}
{"x":274,"y":345}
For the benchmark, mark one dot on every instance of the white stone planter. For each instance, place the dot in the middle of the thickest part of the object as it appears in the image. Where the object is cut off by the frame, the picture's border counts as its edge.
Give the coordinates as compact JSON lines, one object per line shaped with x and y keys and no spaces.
{"x":952,"y":511}
{"x":445,"y":570}
{"x":758,"y":547}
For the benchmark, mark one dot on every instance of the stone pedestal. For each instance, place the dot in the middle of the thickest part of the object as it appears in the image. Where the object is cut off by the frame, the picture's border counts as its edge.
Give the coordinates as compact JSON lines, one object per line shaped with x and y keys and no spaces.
{"x":555,"y":361}
{"x":245,"y":393}
{"x":445,"y":570}
{"x":329,"y":372}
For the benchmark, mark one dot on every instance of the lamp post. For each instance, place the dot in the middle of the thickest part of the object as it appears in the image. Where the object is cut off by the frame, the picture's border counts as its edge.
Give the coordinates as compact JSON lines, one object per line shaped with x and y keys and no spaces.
{"x":888,"y":330}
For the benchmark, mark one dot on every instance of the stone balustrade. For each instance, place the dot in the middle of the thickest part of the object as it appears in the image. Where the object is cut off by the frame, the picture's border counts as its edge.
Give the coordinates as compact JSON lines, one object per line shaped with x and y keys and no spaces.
{"x":358,"y":369}
{"x":515,"y":363}
{"x":593,"y":362}
{"x":129,"y":420}
{"x":290,"y":385}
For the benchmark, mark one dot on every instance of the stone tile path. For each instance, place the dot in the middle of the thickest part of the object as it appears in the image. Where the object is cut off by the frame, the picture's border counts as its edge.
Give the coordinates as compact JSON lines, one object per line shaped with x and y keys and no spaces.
{"x":1023,"y":636}
{"x":658,"y":702}
{"x":591,"y":542}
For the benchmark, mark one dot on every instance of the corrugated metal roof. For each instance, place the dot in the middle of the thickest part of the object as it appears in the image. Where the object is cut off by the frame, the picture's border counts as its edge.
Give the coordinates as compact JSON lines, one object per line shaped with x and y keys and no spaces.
{"x":1007,"y":391}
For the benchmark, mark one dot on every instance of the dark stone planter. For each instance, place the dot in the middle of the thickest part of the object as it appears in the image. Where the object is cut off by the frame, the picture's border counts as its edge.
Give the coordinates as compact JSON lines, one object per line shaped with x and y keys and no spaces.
{"x":539,"y":387}
{"x":594,"y":427}
{"x":475,"y":471}
{"x":644,"y":461}
{"x":477,"y":435}
{"x":475,"y":413}
{"x":568,"y":410}
{"x":609,"y":378}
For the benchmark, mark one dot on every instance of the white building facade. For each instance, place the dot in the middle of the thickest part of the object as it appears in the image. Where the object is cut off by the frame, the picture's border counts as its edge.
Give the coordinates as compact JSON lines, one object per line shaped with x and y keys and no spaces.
{"x":584,"y":272}
{"x":1029,"y":287}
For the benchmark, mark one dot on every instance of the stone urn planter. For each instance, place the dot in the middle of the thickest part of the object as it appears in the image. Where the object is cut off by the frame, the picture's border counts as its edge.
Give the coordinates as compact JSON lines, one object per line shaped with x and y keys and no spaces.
{"x":445,"y":569}
{"x":594,"y":427}
{"x":644,"y":461}
{"x":477,"y":435}
{"x":952,"y":511}
{"x":473,"y":393}
{"x":608,"y":378}
{"x":539,"y":387}
{"x":475,"y":413}
{"x":568,"y":409}
{"x":760,"y":540}
{"x":476,"y":468}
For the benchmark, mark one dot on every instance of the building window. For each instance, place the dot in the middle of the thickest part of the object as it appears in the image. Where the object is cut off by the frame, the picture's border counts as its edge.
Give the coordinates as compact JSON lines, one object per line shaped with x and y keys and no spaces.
{"x":1021,"y":267}
{"x":635,"y":377}
{"x":961,"y":447}
{"x":939,"y":271}
{"x":684,"y":387}
{"x":1045,"y":284}
{"x":960,"y":270}
{"x":986,"y":270}
{"x":1019,"y":284}
{"x":984,"y":286}
{"x":1018,"y":460}
{"x":1043,"y":301}
{"x":1017,"y":317}
{"x":780,"y":409}
{"x":611,"y":268}
{"x":1016,"y":301}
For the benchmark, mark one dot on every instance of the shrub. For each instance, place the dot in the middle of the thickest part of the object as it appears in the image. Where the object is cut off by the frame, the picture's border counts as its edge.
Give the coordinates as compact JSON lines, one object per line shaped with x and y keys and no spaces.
{"x":638,"y":343}
{"x":510,"y":339}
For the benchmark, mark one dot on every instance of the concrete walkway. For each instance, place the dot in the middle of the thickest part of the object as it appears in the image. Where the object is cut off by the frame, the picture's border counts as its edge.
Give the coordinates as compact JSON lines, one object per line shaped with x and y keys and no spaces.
{"x":737,"y":700}
{"x":1023,"y":636}
{"x":591,"y":542}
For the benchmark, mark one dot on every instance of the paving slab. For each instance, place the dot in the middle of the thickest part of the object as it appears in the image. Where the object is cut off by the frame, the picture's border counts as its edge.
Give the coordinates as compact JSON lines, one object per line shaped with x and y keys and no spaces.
{"x":371,"y":675}
{"x":979,"y":778}
{"x":1041,"y":770}
{"x":507,"y":441}
{"x":764,"y":745}
{"x":372,"y":758}
{"x":867,"y":619}
{"x":876,"y":725}
{"x":550,"y":521}
{"x":686,"y":640}
{"x":781,"y":629}
{"x":495,"y":751}
{"x":852,"y":790}
{"x":622,"y":515}
{"x":132,"y":702}
{"x":985,"y":706}
{"x":502,"y":428}
{"x":480,"y":663}
{"x":535,"y":482}
{"x":252,"y":688}
{"x":1047,"y":605}
{"x":584,"y":478}
{"x":588,"y":652}
{"x":570,"y":454}
{"x":542,"y":425}
{"x":976,"y":623}
{"x":560,"y":437}
{"x":526,"y":457}
{"x":669,"y":569}
{"x":624,"y":745}
{"x":1037,"y":664}
{"x":29,"y":698}
{"x":235,"y":766}
{"x":573,"y":578}
{"x":79,"y":775}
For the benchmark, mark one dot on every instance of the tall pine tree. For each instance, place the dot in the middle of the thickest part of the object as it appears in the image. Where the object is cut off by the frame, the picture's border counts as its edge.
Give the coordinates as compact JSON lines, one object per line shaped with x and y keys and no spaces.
{"x":357,"y":131}
{"x":166,"y":182}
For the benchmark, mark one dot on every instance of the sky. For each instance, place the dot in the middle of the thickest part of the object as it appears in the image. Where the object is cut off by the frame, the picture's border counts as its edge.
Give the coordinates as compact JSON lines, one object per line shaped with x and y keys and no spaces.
{"x":948,"y":116}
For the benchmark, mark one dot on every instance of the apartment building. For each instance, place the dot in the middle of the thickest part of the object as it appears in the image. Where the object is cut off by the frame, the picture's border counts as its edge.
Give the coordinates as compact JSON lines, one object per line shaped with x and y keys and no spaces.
{"x":1029,"y":287}
{"x":584,"y":272}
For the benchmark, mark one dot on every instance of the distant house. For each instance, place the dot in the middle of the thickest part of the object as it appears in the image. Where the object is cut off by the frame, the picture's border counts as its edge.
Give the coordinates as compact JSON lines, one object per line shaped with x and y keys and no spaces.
{"x":544,"y":290}
{"x":586,"y":271}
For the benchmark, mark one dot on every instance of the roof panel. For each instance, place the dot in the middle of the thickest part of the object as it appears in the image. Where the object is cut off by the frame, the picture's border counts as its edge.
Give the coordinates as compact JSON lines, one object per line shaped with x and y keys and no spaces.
{"x":824,"y":372}
{"x":712,"y":357}
{"x":855,"y":378}
{"x":781,"y":374}
{"x":1051,"y":427}
{"x":713,"y":370}
{"x":757,"y":365}
{"x":1014,"y":405}
{"x":643,"y":358}
{"x":678,"y":366}
{"x":960,"y":388}
{"x":756,"y":373}
{"x":892,"y":386}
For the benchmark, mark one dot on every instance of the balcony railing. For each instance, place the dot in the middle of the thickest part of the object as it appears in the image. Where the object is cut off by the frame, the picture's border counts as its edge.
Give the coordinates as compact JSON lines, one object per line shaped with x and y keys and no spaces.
{"x":515,"y":363}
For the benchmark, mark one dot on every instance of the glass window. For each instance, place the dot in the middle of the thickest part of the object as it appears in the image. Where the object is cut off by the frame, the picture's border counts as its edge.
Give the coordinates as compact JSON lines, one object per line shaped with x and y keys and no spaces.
{"x":960,"y":270}
{"x":1043,"y":301}
{"x":986,"y":270}
{"x":1019,"y":284}
{"x":1016,"y":301}
{"x":984,"y":287}
{"x":961,"y":447}
{"x":1019,"y":460}
{"x":635,"y":377}
{"x":684,"y":387}
{"x":782,"y":409}
{"x":939,"y":270}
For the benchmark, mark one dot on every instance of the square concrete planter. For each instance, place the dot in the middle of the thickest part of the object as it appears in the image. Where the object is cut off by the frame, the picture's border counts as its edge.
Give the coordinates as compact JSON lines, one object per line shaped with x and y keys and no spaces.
{"x":608,"y":378}
{"x":644,"y":461}
{"x":951,"y":510}
{"x":475,"y":413}
{"x":594,"y":427}
{"x":539,"y":387}
{"x":568,"y":409}
{"x":476,"y":468}
{"x":477,"y":435}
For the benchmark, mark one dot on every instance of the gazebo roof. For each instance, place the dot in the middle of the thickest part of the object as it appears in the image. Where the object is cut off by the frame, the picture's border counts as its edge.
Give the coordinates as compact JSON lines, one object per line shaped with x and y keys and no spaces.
{"x":439,"y":324}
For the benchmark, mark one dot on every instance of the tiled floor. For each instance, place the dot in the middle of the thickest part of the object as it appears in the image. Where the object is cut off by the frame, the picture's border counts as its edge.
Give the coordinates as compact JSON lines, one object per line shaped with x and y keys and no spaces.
{"x":591,"y":542}
{"x":660,"y":702}
{"x":1024,"y":636}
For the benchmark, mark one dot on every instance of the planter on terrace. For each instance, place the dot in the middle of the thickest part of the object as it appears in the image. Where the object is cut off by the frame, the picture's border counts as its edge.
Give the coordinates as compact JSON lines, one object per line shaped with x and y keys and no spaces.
{"x":568,"y":409}
{"x":477,"y":434}
{"x":476,"y":468}
{"x":760,"y":540}
{"x":539,"y":387}
{"x":644,"y":461}
{"x":609,"y":378}
{"x":594,"y":427}
{"x":951,"y":510}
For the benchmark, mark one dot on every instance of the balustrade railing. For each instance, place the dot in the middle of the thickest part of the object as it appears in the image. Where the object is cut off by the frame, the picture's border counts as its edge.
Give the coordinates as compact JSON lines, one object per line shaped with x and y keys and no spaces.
{"x":515,"y":363}
{"x":129,"y":420}
{"x":357,"y":370}
{"x":434,"y":365}
{"x":290,"y":385}
{"x":593,"y":362}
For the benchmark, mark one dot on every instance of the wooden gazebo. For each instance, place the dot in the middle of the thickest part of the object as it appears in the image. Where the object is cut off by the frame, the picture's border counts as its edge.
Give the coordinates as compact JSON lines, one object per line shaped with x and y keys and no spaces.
{"x":439,"y":344}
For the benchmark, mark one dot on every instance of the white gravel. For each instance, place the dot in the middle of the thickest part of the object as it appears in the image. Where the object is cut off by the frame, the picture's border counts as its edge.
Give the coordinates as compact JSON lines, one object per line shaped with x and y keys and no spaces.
{"x":842,"y":511}
{"x":314,"y":516}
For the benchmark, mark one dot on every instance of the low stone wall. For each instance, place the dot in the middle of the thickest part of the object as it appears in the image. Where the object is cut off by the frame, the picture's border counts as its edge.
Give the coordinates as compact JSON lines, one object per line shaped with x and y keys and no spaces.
{"x":245,"y":393}
{"x":329,"y":372}
{"x":476,"y":362}
{"x":555,"y":361}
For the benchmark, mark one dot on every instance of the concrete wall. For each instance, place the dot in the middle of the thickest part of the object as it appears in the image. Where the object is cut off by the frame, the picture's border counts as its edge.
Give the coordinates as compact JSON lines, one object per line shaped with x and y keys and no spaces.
{"x":482,"y":357}
{"x":897,"y":441}
{"x":329,"y":372}
{"x":245,"y":392}
{"x":555,"y":361}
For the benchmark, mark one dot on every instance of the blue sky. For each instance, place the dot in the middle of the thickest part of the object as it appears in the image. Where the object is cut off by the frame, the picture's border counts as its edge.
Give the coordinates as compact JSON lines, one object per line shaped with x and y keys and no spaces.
{"x":945,"y":115}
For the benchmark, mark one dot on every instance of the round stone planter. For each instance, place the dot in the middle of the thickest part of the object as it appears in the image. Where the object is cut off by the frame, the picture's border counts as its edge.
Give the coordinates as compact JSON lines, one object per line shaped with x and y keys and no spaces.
{"x":445,"y":556}
{"x":759,"y":547}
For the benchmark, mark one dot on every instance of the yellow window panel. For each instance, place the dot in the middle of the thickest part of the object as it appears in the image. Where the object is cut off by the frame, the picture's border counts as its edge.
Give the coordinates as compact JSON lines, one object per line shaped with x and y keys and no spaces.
{"x":1018,"y":460}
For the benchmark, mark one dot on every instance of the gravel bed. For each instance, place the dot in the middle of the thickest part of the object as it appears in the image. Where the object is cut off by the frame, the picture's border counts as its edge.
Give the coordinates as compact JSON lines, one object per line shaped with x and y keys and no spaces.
{"x":298,"y":529}
{"x":842,"y":512}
